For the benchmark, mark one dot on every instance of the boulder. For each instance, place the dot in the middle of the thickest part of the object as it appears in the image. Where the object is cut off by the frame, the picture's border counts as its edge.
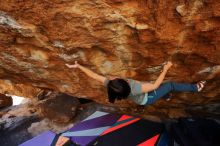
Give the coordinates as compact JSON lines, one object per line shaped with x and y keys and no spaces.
{"x":127,"y":38}
{"x":60,"y":109}
{"x":5,"y":101}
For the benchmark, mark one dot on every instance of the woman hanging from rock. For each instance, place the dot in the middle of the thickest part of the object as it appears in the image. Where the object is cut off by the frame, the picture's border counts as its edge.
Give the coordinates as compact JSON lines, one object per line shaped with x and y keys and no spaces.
{"x":141,"y":93}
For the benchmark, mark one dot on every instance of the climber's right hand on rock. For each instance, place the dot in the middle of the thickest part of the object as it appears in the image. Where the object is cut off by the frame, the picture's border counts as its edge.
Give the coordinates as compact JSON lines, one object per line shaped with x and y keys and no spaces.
{"x":168,"y":65}
{"x":76,"y":65}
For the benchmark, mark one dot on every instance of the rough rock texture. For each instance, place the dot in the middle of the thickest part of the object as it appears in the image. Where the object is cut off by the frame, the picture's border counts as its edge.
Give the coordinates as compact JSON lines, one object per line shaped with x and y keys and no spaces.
{"x":61,"y":108}
{"x":5,"y":101}
{"x":22,"y":122}
{"x":128,"y":38}
{"x":19,"y":89}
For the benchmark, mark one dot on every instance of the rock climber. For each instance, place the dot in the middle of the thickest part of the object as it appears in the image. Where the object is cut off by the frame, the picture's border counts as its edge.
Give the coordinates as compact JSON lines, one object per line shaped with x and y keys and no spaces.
{"x":142,"y":93}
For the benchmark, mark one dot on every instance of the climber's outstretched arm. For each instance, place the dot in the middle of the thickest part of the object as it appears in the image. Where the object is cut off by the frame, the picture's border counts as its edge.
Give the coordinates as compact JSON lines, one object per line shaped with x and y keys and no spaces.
{"x":88,"y":72}
{"x":147,"y":87}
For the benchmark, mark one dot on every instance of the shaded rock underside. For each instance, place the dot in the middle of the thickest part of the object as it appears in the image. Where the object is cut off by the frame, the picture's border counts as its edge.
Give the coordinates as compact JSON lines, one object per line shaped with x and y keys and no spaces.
{"x":127,"y":38}
{"x":5,"y":101}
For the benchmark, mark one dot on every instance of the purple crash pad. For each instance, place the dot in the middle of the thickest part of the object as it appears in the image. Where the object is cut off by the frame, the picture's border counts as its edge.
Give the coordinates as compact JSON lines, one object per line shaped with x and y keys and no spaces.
{"x":90,"y":128}
{"x":44,"y":139}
